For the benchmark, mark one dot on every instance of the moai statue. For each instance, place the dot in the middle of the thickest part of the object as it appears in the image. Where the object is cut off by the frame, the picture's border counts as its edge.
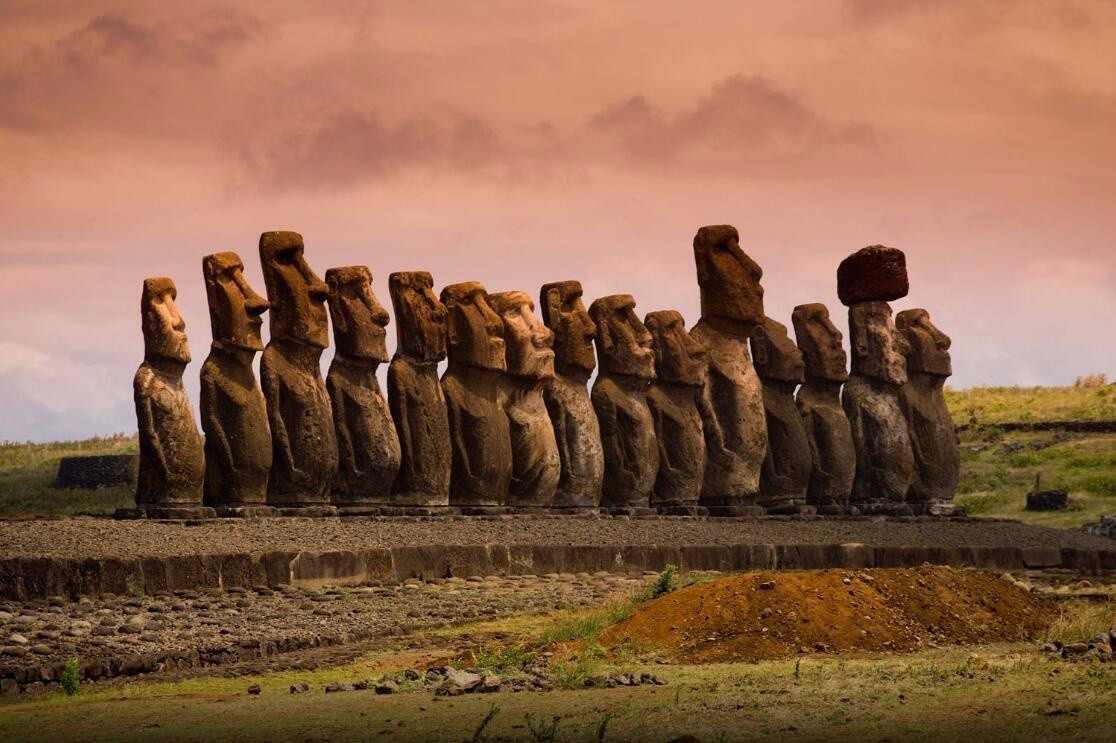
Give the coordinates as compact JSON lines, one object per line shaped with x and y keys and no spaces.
{"x":937,"y":458}
{"x":866,"y":280}
{"x":530,"y":366}
{"x":303,"y":438}
{"x":367,"y":443}
{"x":415,"y":395}
{"x":631,"y":454}
{"x":479,"y":431}
{"x":674,"y":399}
{"x":576,"y":430}
{"x":172,"y":457}
{"x":733,"y":417}
{"x":238,"y":454}
{"x":819,"y":403}
{"x":786,"y":469}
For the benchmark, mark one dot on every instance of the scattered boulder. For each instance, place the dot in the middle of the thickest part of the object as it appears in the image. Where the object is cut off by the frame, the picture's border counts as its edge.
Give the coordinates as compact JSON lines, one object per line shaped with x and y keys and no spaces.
{"x":1047,"y":500}
{"x":300,"y":688}
{"x":254,"y":690}
{"x":387,"y":686}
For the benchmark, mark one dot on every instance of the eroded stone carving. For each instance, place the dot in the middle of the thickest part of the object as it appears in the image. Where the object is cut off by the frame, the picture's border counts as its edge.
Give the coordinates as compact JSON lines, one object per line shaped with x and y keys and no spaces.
{"x":674,"y":399}
{"x":530,"y":366}
{"x":238,"y":453}
{"x":576,"y":431}
{"x":303,"y":438}
{"x":786,"y":468}
{"x":733,"y":417}
{"x":367,"y":443}
{"x":937,"y":458}
{"x":418,"y":405}
{"x":631,"y":455}
{"x":479,"y":431}
{"x":172,"y":458}
{"x":819,"y":403}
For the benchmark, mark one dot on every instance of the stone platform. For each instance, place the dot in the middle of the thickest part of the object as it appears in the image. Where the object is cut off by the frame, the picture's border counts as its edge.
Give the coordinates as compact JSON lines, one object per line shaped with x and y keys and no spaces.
{"x":86,"y":556}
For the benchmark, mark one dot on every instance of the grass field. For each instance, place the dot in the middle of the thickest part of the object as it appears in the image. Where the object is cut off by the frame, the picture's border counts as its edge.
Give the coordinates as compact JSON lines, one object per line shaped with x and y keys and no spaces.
{"x":991,"y":405}
{"x":27,"y":475}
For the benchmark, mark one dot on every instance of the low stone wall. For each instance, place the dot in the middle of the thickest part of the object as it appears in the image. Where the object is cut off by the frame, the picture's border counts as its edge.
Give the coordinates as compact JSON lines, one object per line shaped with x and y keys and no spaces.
{"x":89,"y":473}
{"x":1106,"y":527}
{"x":24,"y":578}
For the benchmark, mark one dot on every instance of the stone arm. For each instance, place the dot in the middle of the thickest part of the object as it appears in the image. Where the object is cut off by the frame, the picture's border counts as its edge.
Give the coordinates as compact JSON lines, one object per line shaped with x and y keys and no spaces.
{"x":715,"y":448}
{"x":214,"y":431}
{"x":145,"y":417}
{"x":457,"y":441}
{"x":341,"y":426}
{"x":662,"y":437}
{"x":815,"y":429}
{"x":620,"y":471}
{"x":273,"y":391}
{"x":558,"y":421}
{"x":400,"y":413}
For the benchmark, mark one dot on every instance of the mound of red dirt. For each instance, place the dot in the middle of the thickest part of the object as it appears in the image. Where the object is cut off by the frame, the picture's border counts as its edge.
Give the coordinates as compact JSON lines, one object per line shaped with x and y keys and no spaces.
{"x":757,"y":616}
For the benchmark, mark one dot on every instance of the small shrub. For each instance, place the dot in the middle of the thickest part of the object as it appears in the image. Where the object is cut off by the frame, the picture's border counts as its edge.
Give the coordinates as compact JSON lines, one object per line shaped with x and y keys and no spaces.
{"x":665,"y":583}
{"x":478,"y":734}
{"x":71,"y":680}
{"x":544,"y":732}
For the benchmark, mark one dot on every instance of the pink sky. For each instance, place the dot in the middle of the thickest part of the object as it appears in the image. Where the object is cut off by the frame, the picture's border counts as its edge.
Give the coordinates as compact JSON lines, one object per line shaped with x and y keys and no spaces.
{"x":519,"y":143}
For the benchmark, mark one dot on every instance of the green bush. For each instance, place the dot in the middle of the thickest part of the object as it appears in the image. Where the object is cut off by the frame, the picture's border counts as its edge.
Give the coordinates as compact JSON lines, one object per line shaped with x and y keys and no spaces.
{"x":665,"y":583}
{"x":71,"y":681}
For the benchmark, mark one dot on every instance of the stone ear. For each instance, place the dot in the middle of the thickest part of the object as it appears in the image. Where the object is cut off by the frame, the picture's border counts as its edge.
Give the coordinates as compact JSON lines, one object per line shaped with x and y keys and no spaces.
{"x":759,"y":346}
{"x":451,"y":329}
{"x":552,"y":308}
{"x":604,"y":337}
{"x":901,"y":322}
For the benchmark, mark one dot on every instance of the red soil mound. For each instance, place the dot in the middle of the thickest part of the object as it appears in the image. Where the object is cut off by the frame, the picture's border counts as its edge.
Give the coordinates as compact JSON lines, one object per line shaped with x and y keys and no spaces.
{"x":758,"y":616}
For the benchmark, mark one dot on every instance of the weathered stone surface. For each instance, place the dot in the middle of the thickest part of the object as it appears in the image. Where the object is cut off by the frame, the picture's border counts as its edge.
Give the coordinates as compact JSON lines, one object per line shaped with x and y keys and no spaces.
{"x":96,"y":471}
{"x":873,"y":274}
{"x":530,"y":365}
{"x":172,"y":457}
{"x":819,"y":402}
{"x":298,"y":407}
{"x":479,"y":432}
{"x":884,"y":458}
{"x":631,"y":454}
{"x":238,"y":448}
{"x":1047,"y":500}
{"x":674,"y":398}
{"x":937,"y":457}
{"x":367,"y":443}
{"x":733,"y":418}
{"x":786,"y":468}
{"x":576,"y":430}
{"x":418,"y":405}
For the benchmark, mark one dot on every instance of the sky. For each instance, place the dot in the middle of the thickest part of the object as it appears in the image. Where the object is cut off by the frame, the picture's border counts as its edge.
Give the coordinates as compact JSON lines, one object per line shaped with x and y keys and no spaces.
{"x":520,"y":143}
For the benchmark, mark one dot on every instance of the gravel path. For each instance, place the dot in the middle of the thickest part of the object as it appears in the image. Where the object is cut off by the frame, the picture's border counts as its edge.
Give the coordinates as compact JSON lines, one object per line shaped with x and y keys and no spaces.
{"x":98,"y":538}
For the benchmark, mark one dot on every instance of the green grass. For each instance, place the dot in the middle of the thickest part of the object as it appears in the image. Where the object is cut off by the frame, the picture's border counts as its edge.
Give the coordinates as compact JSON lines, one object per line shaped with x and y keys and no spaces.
{"x":27,"y":475}
{"x":991,"y":405}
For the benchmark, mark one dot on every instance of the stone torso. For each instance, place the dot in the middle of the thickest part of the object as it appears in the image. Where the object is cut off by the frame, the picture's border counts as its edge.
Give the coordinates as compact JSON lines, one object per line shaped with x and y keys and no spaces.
{"x":631,"y":455}
{"x":578,"y":437}
{"x":535,"y":462}
{"x":885,"y":464}
{"x":831,"y":446}
{"x":367,"y":442}
{"x":480,"y":438}
{"x":937,"y":459}
{"x":238,"y":438}
{"x":418,"y":407}
{"x":172,"y":461}
{"x":681,"y":443}
{"x":786,"y":469}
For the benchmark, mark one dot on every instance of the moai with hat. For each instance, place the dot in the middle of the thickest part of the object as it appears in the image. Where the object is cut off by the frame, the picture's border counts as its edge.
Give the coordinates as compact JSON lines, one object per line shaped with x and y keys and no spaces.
{"x":631,"y":454}
{"x":786,"y":469}
{"x":733,"y":417}
{"x":238,"y":453}
{"x":304,"y":441}
{"x":833,"y":458}
{"x":479,"y":434}
{"x":367,"y":443}
{"x":937,"y":458}
{"x":530,"y":366}
{"x":674,"y":397}
{"x":418,"y":405}
{"x":171,"y":474}
{"x":866,"y":281}
{"x":576,"y":430}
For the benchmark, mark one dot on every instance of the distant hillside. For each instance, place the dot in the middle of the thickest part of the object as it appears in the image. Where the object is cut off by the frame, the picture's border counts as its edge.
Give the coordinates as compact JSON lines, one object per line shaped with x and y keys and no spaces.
{"x":991,"y":405}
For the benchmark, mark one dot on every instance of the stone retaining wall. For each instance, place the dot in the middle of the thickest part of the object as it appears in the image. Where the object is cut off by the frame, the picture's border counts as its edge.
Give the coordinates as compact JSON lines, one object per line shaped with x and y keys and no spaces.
{"x":94,"y":472}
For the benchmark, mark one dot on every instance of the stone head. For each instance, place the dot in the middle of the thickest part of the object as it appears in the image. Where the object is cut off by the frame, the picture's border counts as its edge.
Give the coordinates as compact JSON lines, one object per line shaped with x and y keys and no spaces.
{"x":679,"y":358}
{"x":420,"y":318}
{"x":296,"y":294}
{"x":878,"y":349}
{"x":775,"y":355}
{"x":527,"y":342}
{"x":928,"y":347}
{"x":359,"y":320}
{"x":564,"y":313}
{"x":164,"y":330}
{"x":623,"y":343}
{"x":475,"y":331}
{"x":820,"y":342}
{"x":235,"y":310}
{"x":729,"y":279}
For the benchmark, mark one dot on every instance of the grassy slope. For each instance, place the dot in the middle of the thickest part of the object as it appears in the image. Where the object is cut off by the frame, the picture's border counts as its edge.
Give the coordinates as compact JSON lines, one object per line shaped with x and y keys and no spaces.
{"x":27,"y":472}
{"x":990,"y":405}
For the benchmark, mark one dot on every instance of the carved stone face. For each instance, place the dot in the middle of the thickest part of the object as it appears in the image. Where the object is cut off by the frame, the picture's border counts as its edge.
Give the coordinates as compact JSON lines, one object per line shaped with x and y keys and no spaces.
{"x":359,"y":320}
{"x":820,"y":342}
{"x":928,"y":347}
{"x":235,"y":310}
{"x":679,"y":358}
{"x":164,"y":330}
{"x":729,"y":279}
{"x":878,"y":347}
{"x":476,"y":332}
{"x":420,"y":318}
{"x":564,"y":313}
{"x":296,"y":294}
{"x":775,"y":355}
{"x":623,"y":343}
{"x":527,"y":341}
